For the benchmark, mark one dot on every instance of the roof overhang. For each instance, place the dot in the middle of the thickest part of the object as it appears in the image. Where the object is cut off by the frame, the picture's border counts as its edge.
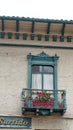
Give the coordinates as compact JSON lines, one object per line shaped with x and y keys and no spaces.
{"x":36,"y":26}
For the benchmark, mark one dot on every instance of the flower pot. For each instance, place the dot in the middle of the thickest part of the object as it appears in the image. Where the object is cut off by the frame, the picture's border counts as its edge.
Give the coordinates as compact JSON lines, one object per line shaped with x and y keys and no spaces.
{"x":61,"y":106}
{"x":42,"y":104}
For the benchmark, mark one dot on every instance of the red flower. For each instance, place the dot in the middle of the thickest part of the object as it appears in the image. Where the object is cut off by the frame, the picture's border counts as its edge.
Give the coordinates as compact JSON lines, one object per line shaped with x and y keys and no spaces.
{"x":25,"y":105}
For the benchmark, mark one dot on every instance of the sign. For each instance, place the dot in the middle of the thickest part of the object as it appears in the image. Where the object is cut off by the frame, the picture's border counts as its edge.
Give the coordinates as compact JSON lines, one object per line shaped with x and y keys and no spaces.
{"x":15,"y":122}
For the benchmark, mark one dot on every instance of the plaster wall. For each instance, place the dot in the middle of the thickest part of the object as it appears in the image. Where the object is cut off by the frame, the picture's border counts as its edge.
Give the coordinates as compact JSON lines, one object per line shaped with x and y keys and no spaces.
{"x":14,"y":77}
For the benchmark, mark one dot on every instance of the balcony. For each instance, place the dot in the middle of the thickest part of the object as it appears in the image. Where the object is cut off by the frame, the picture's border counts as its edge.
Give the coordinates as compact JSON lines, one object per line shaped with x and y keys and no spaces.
{"x":43,"y":102}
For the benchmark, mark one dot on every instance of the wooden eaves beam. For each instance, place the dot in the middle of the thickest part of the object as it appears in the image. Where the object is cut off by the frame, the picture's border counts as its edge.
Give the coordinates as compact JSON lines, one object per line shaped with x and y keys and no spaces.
{"x":63,"y":29}
{"x":48,"y":28}
{"x":32,"y":28}
{"x":2,"y":24}
{"x":17,"y":25}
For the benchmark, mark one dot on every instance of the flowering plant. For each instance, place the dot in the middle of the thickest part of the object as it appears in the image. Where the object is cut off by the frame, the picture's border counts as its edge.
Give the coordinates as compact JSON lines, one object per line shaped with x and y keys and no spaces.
{"x":43,"y":100}
{"x":43,"y":96}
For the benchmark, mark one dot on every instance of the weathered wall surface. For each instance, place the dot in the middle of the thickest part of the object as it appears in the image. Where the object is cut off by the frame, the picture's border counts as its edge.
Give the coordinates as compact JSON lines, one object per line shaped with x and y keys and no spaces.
{"x":14,"y":77}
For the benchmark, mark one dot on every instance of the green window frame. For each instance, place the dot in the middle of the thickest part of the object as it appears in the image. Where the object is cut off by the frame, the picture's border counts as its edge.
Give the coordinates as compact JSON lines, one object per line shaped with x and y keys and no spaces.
{"x":42,"y":59}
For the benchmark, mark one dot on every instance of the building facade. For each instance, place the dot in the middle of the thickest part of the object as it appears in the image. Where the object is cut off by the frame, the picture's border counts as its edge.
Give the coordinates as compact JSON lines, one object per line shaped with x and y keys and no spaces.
{"x":36,"y":73}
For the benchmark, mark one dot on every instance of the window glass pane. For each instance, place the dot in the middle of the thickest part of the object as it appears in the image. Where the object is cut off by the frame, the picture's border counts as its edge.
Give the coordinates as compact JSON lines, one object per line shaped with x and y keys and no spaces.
{"x":36,"y":68}
{"x":48,"y":81}
{"x":48,"y":69}
{"x":36,"y":81}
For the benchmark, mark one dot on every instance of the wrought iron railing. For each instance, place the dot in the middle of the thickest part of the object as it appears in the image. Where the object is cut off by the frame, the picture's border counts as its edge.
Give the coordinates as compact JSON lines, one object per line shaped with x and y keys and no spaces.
{"x":33,"y":99}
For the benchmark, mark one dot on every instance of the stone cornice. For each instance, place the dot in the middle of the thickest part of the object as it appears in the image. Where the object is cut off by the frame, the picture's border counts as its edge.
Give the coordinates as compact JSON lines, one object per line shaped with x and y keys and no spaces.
{"x":36,"y":46}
